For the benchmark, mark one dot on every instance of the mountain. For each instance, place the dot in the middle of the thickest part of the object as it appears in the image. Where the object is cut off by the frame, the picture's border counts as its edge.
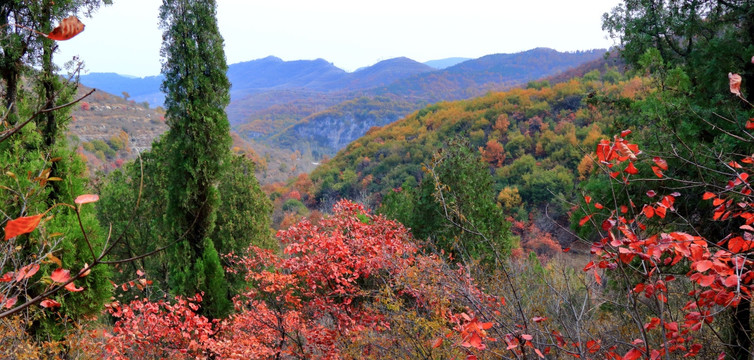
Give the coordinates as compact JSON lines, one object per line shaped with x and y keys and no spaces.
{"x":273,"y":73}
{"x":107,"y":130}
{"x":313,"y":108}
{"x":530,"y":138}
{"x":269,"y":74}
{"x":445,"y":63}
{"x":383,"y":73}
{"x":138,"y":89}
{"x":336,"y":127}
{"x":318,"y":132}
{"x":489,"y":73}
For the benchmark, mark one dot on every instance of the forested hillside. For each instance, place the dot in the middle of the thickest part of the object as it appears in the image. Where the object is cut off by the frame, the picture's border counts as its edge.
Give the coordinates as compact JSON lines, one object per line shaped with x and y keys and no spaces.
{"x":283,"y":108}
{"x":531,"y":139}
{"x":604,"y":212}
{"x":301,"y":124}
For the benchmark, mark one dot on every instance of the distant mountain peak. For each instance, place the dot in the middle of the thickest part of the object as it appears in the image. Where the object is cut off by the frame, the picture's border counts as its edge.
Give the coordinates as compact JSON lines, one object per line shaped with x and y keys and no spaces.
{"x":445,"y":63}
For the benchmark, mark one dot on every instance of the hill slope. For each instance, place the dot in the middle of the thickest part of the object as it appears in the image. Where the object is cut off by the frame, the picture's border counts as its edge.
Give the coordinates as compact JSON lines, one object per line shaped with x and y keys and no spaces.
{"x":528,"y":137}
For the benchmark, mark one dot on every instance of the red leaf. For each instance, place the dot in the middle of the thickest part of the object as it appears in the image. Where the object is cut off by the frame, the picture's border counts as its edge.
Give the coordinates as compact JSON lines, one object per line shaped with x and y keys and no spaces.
{"x":632,"y":354}
{"x":708,"y":195}
{"x":527,"y":337}
{"x":539,"y":353}
{"x":651,"y":193}
{"x":10,"y":302}
{"x":661,"y":163}
{"x":22,"y":225}
{"x":49,"y":303}
{"x":631,"y":169}
{"x":598,"y":206}
{"x":585,"y":219}
{"x":85,"y":199}
{"x":731,"y":281}
{"x":625,"y":133}
{"x":60,"y":275}
{"x":648,"y":211}
{"x":704,"y":265}
{"x":660,"y":211}
{"x":603,"y":150}
{"x":538,"y":319}
{"x":750,"y":124}
{"x":706,"y":280}
{"x":73,"y":288}
{"x":657,"y":171}
{"x":589,"y":266}
{"x":7,"y":277}
{"x":437,"y":343}
{"x":68,"y":28}
{"x":639,"y":288}
{"x":27,"y":272}
{"x":588,"y":199}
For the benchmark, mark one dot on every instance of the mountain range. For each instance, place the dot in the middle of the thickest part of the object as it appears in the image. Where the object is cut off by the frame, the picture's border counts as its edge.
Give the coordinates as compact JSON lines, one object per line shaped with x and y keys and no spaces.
{"x":315,"y":108}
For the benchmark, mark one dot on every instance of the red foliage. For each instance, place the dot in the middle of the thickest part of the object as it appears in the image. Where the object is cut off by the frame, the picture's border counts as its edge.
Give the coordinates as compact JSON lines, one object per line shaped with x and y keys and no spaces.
{"x":299,"y":306}
{"x":160,"y":330}
{"x":723,"y":274}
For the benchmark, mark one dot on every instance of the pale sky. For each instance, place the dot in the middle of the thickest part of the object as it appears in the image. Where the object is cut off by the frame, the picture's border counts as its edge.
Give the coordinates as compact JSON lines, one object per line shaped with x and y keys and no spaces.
{"x":125,"y":37}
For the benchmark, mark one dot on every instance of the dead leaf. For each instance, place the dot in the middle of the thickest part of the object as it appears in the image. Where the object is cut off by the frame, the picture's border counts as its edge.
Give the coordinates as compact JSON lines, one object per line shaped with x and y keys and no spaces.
{"x":68,"y":28}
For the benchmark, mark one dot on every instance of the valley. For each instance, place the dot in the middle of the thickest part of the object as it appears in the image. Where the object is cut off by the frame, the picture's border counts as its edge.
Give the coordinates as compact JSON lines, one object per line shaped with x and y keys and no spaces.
{"x":294,"y":114}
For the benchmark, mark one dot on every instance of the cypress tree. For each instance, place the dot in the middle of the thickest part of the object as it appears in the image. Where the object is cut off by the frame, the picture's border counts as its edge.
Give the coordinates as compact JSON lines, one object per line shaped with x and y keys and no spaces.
{"x":197,"y":145}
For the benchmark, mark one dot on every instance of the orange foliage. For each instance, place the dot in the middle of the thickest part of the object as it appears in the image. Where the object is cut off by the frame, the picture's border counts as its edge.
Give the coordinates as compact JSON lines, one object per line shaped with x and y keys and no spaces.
{"x":493,"y":153}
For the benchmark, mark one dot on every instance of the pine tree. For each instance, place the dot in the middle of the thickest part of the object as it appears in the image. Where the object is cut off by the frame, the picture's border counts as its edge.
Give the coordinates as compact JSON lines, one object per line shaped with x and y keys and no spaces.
{"x":198,"y":145}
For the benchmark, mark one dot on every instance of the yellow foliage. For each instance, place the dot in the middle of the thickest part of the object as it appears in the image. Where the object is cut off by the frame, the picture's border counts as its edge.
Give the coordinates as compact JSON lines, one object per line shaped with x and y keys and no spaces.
{"x":586,"y":166}
{"x":509,"y":198}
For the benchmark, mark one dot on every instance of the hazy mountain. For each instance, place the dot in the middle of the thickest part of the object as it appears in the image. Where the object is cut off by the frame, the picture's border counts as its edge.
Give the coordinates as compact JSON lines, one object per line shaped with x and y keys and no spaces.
{"x":139,"y":89}
{"x":316,"y":108}
{"x":489,"y":73}
{"x":383,"y":73}
{"x":274,"y":73}
{"x":269,"y":74}
{"x":445,"y":63}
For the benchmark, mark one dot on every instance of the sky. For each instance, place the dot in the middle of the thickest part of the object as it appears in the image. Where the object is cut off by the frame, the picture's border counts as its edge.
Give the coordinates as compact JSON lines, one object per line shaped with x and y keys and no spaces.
{"x":125,"y":37}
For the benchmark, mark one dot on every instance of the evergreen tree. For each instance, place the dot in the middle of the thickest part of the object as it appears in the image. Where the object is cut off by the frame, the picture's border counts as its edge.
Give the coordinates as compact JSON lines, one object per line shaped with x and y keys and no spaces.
{"x":454,"y":206}
{"x":198,"y":145}
{"x":243,"y":216}
{"x":41,"y":149}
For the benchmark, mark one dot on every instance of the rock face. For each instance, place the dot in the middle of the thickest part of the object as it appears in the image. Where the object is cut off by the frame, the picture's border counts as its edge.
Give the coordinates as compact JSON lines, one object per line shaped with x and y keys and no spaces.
{"x":329,"y":131}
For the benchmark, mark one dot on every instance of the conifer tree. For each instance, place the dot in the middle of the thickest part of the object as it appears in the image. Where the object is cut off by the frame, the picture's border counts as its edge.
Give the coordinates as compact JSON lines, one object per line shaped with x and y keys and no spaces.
{"x":42,"y":147}
{"x":197,"y":145}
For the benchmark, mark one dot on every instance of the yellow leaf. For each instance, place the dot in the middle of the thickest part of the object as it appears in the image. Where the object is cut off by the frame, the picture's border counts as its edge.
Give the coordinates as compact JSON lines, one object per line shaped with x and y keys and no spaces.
{"x":54,"y":259}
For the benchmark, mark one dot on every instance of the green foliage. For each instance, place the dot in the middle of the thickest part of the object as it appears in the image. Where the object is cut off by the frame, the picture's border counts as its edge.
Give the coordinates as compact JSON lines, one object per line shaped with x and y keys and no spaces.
{"x":542,"y":131}
{"x":197,"y":144}
{"x":454,"y":206}
{"x":40,"y":170}
{"x":243,"y":216}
